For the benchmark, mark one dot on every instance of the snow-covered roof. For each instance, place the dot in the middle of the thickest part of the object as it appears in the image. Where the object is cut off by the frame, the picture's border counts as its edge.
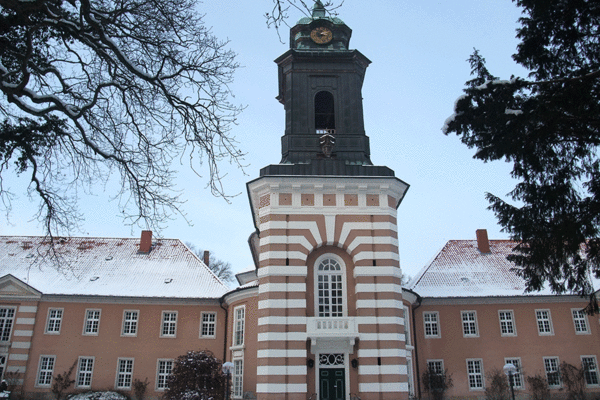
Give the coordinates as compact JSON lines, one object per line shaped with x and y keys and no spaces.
{"x":108,"y":267}
{"x":461,"y":270}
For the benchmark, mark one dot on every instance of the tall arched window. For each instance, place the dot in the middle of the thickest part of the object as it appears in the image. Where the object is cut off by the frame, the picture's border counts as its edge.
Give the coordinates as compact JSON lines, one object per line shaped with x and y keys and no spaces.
{"x":330,"y":288}
{"x":324,"y":112}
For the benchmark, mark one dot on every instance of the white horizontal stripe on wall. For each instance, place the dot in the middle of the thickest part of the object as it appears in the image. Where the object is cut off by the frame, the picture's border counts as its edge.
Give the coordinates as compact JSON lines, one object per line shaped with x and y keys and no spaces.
{"x":281,"y":353}
{"x":292,"y":255}
{"x":281,"y":388}
{"x":282,"y":370}
{"x":282,"y":287}
{"x":291,"y":336}
{"x":282,"y":270}
{"x":282,"y":303}
{"x":384,"y":303}
{"x":382,"y":369}
{"x":383,"y":387}
{"x":25,"y":321}
{"x":376,"y":255}
{"x":301,"y":240}
{"x":19,"y":332}
{"x":371,"y":240}
{"x":377,"y":271}
{"x":350,"y":226}
{"x":18,"y":357}
{"x":27,"y":309}
{"x":310,"y":225}
{"x":382,"y":336}
{"x":381,"y":353}
{"x":379,"y":320}
{"x":21,"y":345}
{"x":377,"y":287}
{"x":13,"y":368}
{"x":282,"y":321}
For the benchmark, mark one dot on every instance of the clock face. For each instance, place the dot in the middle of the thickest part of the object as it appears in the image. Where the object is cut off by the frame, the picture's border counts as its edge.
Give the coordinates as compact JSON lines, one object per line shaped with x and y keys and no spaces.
{"x":321,"y":35}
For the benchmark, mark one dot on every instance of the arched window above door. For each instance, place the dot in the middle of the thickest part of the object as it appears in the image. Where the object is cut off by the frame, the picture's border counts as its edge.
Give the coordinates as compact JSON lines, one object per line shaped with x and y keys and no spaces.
{"x":324,"y":112}
{"x":329,"y":283}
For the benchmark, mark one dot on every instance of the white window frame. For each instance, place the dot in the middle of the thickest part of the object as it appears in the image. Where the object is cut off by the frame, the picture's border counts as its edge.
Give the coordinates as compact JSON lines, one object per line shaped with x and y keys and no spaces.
{"x":476,"y":361}
{"x":473,"y":322}
{"x":431,"y":324}
{"x":7,"y":322}
{"x":556,"y":362}
{"x":124,"y":374}
{"x":507,"y":322}
{"x":208,"y":324}
{"x":3,"y":358}
{"x":81,"y":373}
{"x":519,"y":383}
{"x":343,"y":278}
{"x":580,"y":318}
{"x":436,"y":363}
{"x":45,"y":371}
{"x":163,"y":375}
{"x":164,"y":324}
{"x":54,"y":320}
{"x":407,"y":334}
{"x":89,"y":328}
{"x":238,"y":378}
{"x":594,"y":371}
{"x":542,"y":320}
{"x":239,"y":326}
{"x":133,"y":323}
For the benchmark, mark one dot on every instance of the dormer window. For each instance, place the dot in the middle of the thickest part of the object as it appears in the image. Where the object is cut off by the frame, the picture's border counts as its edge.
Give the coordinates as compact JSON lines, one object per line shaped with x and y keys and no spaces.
{"x":324,"y":113}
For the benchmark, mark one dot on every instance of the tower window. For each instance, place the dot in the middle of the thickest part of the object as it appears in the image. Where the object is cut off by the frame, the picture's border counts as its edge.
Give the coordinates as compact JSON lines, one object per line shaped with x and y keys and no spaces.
{"x":330,"y":288}
{"x":324,"y":112}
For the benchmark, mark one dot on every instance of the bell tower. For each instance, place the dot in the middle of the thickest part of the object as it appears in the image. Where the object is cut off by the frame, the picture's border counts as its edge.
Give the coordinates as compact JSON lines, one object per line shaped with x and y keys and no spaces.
{"x":330,"y":308}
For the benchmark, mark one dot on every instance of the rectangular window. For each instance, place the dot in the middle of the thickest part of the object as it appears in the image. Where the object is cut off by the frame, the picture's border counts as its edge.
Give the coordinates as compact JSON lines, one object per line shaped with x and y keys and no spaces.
{"x":163,"y":371}
{"x":238,"y":378}
{"x":507,"y":323}
{"x":580,"y":321}
{"x":169,"y":324}
{"x":238,"y":326}
{"x":469,"y":322}
{"x":7,"y":316}
{"x":54,"y":320}
{"x":475,"y":374}
{"x":518,"y":376}
{"x":209,"y":323}
{"x":130,"y":322}
{"x":431,"y":324}
{"x":544,"y":322}
{"x":45,"y":371}
{"x":92,"y":322}
{"x":84,"y":372}
{"x":590,"y":368}
{"x":552,"y":372}
{"x":436,"y":366}
{"x":124,"y":373}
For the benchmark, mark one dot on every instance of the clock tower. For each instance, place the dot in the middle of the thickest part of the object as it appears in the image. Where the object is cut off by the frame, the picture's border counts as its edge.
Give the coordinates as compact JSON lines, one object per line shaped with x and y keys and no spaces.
{"x":330,"y":313}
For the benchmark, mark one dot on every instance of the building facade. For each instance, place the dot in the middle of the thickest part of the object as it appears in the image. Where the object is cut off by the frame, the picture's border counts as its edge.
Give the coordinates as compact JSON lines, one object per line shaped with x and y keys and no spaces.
{"x":323,"y":315}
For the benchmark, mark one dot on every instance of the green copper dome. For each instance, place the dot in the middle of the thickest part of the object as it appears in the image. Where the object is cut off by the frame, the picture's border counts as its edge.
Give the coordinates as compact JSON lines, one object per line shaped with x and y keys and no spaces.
{"x":319,"y":12}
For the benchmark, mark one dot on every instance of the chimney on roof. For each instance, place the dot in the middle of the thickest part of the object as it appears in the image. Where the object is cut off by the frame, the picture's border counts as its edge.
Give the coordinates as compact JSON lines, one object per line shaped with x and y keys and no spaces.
{"x":206,"y":257}
{"x":145,"y":242}
{"x":483,"y":244}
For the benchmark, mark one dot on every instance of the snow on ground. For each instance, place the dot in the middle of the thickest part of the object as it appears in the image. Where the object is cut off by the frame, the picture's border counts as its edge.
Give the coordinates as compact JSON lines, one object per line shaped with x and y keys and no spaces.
{"x":97,"y":396}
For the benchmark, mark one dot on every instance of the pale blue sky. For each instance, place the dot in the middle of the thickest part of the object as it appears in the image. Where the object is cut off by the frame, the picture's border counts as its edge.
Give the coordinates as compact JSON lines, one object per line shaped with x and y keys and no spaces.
{"x":419,"y":51}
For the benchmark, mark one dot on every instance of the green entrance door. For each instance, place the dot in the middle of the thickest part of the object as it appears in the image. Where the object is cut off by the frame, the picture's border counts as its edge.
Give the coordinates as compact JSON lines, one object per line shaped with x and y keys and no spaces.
{"x":332,"y":384}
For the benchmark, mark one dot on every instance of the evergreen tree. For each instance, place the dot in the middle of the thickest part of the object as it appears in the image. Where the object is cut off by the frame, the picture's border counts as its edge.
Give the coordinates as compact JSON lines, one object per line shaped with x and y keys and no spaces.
{"x":547,"y":125}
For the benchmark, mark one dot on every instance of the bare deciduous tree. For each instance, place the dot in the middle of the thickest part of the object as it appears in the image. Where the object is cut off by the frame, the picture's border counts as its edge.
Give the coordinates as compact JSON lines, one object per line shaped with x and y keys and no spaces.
{"x":92,"y":88}
{"x":222,"y":269}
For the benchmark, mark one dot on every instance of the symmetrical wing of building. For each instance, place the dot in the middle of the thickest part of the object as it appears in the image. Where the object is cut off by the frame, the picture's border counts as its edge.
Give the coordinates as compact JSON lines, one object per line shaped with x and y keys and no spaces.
{"x":323,"y":315}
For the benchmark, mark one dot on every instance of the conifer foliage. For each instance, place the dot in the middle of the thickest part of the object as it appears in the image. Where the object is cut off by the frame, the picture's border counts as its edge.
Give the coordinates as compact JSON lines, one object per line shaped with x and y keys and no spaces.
{"x":196,"y":375}
{"x":548,"y":126}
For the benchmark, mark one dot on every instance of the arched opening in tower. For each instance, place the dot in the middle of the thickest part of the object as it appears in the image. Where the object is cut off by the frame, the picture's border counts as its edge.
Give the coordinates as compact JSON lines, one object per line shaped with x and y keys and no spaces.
{"x":324,"y":113}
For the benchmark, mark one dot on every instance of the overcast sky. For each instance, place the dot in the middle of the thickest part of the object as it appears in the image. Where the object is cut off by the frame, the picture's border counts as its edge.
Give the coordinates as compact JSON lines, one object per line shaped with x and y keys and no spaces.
{"x":419,"y":51}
